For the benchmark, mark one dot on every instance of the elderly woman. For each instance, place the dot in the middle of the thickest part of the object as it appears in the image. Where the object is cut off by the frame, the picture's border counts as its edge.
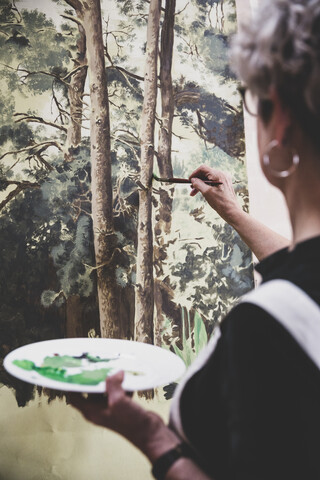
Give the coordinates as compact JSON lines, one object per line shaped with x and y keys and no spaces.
{"x":249,"y":408}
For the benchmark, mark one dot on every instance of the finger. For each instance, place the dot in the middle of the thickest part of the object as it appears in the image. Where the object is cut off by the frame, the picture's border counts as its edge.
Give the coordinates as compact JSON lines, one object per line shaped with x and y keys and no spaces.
{"x":77,"y":401}
{"x":207,"y":173}
{"x":113,"y":386}
{"x":93,"y":408}
{"x":194,"y":191}
{"x":201,"y":171}
{"x":200,"y":186}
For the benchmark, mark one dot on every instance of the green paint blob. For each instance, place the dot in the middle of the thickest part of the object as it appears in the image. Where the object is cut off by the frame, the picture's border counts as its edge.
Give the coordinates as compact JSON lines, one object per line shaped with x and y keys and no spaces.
{"x":87,"y":377}
{"x":58,"y":374}
{"x":54,"y":368}
{"x":25,"y":364}
{"x":61,"y":361}
{"x":90,"y":377}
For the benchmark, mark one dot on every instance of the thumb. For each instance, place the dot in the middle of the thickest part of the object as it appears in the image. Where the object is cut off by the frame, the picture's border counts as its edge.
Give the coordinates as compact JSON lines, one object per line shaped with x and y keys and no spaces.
{"x":113,"y":384}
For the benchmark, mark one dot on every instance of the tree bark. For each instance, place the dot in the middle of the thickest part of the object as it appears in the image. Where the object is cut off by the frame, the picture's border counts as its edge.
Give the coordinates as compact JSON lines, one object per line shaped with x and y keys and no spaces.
{"x":144,"y":302}
{"x":164,"y":214}
{"x":75,"y":95}
{"x":75,"y":324}
{"x":167,"y":99}
{"x":105,"y":241}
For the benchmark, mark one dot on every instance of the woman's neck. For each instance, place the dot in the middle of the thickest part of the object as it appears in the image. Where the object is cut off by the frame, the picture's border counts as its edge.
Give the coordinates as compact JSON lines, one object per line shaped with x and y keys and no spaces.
{"x":303,"y":200}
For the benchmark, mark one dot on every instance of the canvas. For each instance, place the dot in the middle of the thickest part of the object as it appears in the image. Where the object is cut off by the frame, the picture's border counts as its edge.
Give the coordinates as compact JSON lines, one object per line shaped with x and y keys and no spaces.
{"x":91,"y":244}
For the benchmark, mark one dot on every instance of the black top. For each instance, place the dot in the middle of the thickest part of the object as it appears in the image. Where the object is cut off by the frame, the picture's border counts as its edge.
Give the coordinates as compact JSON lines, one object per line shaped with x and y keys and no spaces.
{"x":253,"y":411}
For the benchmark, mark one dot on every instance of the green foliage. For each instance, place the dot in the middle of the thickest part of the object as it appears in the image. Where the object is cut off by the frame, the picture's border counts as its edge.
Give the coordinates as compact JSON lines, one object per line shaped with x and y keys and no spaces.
{"x":54,"y":216}
{"x":66,"y":201}
{"x":213,"y":278}
{"x":49,"y":297}
{"x":26,"y":270}
{"x":200,"y":333}
{"x":37,"y":49}
{"x":194,"y":337}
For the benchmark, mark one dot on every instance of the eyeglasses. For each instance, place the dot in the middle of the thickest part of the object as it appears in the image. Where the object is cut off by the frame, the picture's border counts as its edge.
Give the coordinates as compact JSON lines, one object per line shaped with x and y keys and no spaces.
{"x":250,"y":101}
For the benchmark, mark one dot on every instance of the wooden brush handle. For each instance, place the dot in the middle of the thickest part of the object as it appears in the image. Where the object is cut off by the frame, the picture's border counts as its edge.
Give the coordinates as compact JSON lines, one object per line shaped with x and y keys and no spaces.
{"x":186,"y":180}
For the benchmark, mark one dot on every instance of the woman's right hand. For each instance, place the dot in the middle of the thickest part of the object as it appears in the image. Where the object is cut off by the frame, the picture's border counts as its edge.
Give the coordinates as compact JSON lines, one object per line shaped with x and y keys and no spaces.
{"x":221,"y":198}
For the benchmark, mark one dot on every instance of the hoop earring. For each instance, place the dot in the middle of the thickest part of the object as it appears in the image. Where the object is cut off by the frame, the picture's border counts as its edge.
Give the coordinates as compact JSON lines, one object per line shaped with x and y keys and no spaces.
{"x":280,"y":173}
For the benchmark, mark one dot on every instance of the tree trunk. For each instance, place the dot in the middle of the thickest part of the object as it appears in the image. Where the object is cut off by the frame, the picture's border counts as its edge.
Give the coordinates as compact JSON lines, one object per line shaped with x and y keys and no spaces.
{"x":164,"y":214}
{"x":74,"y":309}
{"x":167,"y":100}
{"x":82,"y":316}
{"x":144,"y":304}
{"x":105,"y":242}
{"x":75,"y":95}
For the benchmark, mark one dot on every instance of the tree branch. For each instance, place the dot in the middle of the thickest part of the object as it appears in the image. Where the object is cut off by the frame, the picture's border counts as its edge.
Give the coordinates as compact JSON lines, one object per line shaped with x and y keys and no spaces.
{"x":136,"y":138}
{"x":129,"y":145}
{"x":30,"y":148}
{"x":72,"y":19}
{"x":14,"y":8}
{"x":91,"y":268}
{"x":162,"y":8}
{"x":44,"y":162}
{"x":75,"y":70}
{"x":130,"y":74}
{"x":180,"y":11}
{"x":76,"y":4}
{"x":20,"y":187}
{"x":28,"y":73}
{"x":62,"y":113}
{"x":34,"y":119}
{"x":2,"y":25}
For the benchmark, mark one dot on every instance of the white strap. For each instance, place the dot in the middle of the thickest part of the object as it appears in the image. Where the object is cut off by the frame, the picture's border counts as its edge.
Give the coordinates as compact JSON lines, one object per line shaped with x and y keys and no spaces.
{"x":294,"y":309}
{"x":200,"y":361}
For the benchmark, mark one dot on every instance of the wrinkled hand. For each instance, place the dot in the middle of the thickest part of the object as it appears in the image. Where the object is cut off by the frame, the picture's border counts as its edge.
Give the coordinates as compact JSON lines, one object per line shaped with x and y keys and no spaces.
{"x":221,"y":198}
{"x":116,"y":410}
{"x":104,"y":409}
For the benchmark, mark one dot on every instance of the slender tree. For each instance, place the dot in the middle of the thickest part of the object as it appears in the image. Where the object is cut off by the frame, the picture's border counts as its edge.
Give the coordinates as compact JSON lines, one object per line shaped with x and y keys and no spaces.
{"x":75,"y":95}
{"x":75,"y":326}
{"x":167,"y":104}
{"x":164,"y":213}
{"x":144,"y":301}
{"x":105,"y":240}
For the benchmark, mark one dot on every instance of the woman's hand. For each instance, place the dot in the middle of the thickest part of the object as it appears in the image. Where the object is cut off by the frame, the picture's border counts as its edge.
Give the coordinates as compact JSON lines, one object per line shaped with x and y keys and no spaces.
{"x":117,"y":411}
{"x":221,"y":198}
{"x":144,"y":429}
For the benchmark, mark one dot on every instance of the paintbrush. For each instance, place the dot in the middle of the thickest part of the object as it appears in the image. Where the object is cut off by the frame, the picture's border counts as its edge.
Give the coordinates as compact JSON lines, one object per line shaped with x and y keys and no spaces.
{"x":184,"y":180}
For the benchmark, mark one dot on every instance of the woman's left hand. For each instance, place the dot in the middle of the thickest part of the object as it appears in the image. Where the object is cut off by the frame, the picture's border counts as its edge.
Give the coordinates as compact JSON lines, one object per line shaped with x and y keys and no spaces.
{"x":117,"y":411}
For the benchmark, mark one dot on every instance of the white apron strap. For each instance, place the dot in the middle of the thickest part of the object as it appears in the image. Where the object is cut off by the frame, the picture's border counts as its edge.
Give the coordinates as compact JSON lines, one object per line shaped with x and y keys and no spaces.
{"x":200,"y":361}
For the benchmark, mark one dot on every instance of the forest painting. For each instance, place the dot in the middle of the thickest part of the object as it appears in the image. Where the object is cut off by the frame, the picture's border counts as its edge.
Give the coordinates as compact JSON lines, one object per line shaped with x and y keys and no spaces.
{"x":96,"y":96}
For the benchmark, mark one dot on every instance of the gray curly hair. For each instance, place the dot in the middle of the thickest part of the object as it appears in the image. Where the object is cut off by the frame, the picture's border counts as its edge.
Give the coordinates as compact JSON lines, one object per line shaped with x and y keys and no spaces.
{"x":280,"y":48}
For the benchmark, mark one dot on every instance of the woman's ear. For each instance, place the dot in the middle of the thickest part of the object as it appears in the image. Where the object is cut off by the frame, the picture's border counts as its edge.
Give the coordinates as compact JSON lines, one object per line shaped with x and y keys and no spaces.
{"x":281,"y":118}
